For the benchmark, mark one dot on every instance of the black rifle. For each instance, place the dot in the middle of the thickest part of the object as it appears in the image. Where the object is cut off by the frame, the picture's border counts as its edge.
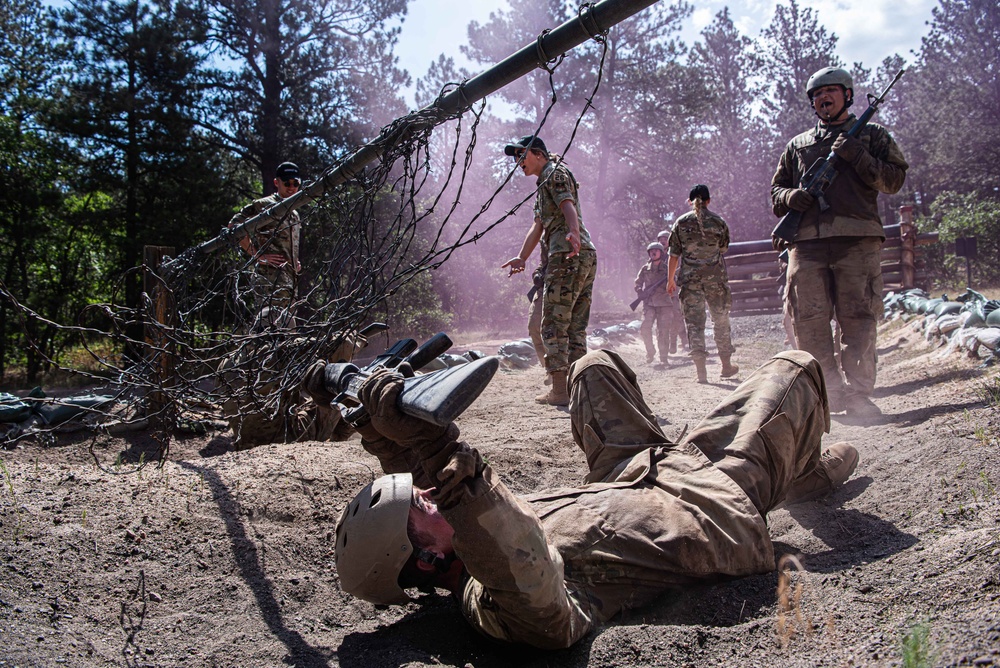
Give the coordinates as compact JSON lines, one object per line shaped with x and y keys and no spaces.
{"x":822,"y":172}
{"x":438,"y":397}
{"x":538,"y":280}
{"x":647,"y":293}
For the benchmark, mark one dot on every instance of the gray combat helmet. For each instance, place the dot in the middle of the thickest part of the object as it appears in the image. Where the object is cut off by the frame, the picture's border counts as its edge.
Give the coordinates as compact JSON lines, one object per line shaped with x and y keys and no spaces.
{"x":830,"y":76}
{"x":656,"y":245}
{"x":372,"y":545}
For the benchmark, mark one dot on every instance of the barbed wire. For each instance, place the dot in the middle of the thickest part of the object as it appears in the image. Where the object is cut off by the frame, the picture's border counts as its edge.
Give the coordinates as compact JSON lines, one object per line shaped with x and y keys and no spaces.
{"x":212,"y":348}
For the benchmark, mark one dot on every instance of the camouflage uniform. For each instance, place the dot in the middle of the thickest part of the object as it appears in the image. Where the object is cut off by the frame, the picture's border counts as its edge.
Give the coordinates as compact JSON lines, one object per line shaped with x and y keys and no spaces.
{"x":658,"y":309}
{"x":702,"y":278}
{"x":650,"y":516}
{"x":569,"y":281}
{"x":834,"y":266}
{"x":535,"y":310}
{"x":277,"y":255}
{"x":261,"y":412}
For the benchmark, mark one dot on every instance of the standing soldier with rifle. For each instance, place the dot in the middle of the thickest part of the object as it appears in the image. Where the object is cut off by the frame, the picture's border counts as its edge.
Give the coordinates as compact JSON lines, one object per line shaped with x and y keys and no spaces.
{"x":826,"y":187}
{"x":697,"y":242}
{"x":657,"y":305}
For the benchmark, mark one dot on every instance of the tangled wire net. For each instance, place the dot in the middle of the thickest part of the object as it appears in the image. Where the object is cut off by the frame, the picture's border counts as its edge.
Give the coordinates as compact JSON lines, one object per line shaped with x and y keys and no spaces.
{"x":203,"y":342}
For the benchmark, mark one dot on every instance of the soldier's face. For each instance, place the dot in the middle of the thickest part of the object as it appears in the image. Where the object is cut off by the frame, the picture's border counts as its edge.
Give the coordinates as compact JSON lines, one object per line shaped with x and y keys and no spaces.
{"x":286,"y":187}
{"x":531,"y":162}
{"x":655,"y":255}
{"x":829,"y":102}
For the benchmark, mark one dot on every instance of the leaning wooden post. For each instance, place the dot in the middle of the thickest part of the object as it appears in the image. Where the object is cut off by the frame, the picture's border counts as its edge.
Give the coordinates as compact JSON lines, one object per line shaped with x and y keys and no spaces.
{"x":908,"y":237}
{"x":160,"y":357}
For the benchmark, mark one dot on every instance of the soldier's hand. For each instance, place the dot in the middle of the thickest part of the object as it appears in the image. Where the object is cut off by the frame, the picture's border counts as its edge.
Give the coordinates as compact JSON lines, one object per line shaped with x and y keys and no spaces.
{"x":516,"y":265}
{"x":671,"y":287}
{"x":574,"y":242}
{"x":848,"y":148}
{"x":799,"y":200}
{"x":380,"y":396}
{"x":778,"y":244}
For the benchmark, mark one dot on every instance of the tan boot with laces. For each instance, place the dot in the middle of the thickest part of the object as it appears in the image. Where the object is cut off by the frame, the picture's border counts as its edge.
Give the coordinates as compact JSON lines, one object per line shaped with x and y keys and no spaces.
{"x":557,"y":395}
{"x":836,"y":465}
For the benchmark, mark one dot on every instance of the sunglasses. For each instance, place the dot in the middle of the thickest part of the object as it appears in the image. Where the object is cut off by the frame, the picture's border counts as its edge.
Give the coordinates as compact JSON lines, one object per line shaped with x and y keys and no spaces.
{"x":517,"y":157}
{"x":293,"y":183}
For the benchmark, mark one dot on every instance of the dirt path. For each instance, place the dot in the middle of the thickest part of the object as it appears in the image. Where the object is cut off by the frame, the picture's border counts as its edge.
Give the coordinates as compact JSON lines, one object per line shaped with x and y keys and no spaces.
{"x":225,"y":558}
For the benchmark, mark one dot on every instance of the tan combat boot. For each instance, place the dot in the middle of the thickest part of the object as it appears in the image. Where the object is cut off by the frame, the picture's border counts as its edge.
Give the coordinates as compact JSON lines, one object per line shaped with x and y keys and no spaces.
{"x":699,"y":367}
{"x":835,"y":466}
{"x":728,"y":368}
{"x":557,"y":396}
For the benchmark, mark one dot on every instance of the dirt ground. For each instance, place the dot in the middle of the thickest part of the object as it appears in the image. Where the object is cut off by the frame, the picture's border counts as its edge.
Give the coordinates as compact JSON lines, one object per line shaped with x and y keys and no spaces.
{"x":224,"y":558}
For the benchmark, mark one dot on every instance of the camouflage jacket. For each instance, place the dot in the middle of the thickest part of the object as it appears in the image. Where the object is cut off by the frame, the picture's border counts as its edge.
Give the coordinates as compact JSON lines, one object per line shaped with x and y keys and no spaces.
{"x":700,"y":247}
{"x":543,"y":570}
{"x":555,"y":185}
{"x":279,"y":237}
{"x":649,"y":275}
{"x":853,"y":195}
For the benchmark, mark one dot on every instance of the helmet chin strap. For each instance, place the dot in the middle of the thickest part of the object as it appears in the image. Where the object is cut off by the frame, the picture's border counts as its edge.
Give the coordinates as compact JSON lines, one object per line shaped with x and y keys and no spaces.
{"x":847,"y":103}
{"x":440,"y":564}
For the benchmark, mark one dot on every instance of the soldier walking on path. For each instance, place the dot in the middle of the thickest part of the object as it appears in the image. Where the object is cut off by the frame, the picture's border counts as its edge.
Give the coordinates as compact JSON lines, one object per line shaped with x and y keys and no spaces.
{"x":835,"y":258}
{"x":571,"y":266}
{"x":658,"y":308}
{"x":697,"y":242}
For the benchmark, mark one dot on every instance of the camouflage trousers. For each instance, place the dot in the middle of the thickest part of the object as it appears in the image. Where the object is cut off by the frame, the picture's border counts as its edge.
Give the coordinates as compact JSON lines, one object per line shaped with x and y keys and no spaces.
{"x":273,"y":287}
{"x":569,"y":286}
{"x":663,"y":318}
{"x":535,"y":327}
{"x":764,"y":436}
{"x":695,"y":296}
{"x":838,"y":279}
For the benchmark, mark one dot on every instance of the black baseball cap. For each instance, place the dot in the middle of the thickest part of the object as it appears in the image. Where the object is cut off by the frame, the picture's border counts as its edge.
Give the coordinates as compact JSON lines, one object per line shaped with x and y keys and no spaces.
{"x":524,"y":143}
{"x":287,"y":170}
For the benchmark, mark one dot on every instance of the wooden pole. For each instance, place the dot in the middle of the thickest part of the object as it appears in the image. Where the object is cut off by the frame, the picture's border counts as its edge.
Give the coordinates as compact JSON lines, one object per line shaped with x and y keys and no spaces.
{"x":159,"y":348}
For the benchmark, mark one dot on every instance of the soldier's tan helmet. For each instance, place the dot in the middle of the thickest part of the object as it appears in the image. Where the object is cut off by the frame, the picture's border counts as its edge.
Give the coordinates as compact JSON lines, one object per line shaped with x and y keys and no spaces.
{"x":656,"y":245}
{"x":663,"y":233}
{"x":829,"y":76}
{"x":372,"y":546}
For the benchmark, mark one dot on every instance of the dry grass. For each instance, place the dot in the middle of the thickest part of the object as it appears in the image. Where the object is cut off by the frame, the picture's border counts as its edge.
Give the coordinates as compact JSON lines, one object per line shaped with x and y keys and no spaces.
{"x":791,"y":619}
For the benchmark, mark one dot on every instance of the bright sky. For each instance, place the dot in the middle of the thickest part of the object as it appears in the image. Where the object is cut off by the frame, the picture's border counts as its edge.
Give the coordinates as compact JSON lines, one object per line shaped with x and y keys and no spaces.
{"x":869,"y":30}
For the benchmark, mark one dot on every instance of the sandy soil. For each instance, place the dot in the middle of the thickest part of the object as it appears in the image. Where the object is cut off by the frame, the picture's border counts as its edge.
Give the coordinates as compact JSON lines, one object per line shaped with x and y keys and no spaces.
{"x":224,"y":558}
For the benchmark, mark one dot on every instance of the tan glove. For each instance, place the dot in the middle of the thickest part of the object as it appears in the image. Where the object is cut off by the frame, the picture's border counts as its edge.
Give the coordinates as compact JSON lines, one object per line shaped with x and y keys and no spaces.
{"x":778,"y":244}
{"x":313,"y":385}
{"x":380,"y":396}
{"x":798,"y":199}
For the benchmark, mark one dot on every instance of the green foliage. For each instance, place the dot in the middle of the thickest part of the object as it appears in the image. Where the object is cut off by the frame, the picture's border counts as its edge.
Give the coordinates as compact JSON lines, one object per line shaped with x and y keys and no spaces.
{"x":915,"y":647}
{"x":989,"y":392}
{"x":956,"y":72}
{"x":969,"y":215}
{"x":415,"y":310}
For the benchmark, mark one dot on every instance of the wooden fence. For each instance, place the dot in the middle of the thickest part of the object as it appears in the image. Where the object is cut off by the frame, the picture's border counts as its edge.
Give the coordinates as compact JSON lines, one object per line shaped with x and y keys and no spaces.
{"x":754,"y":273}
